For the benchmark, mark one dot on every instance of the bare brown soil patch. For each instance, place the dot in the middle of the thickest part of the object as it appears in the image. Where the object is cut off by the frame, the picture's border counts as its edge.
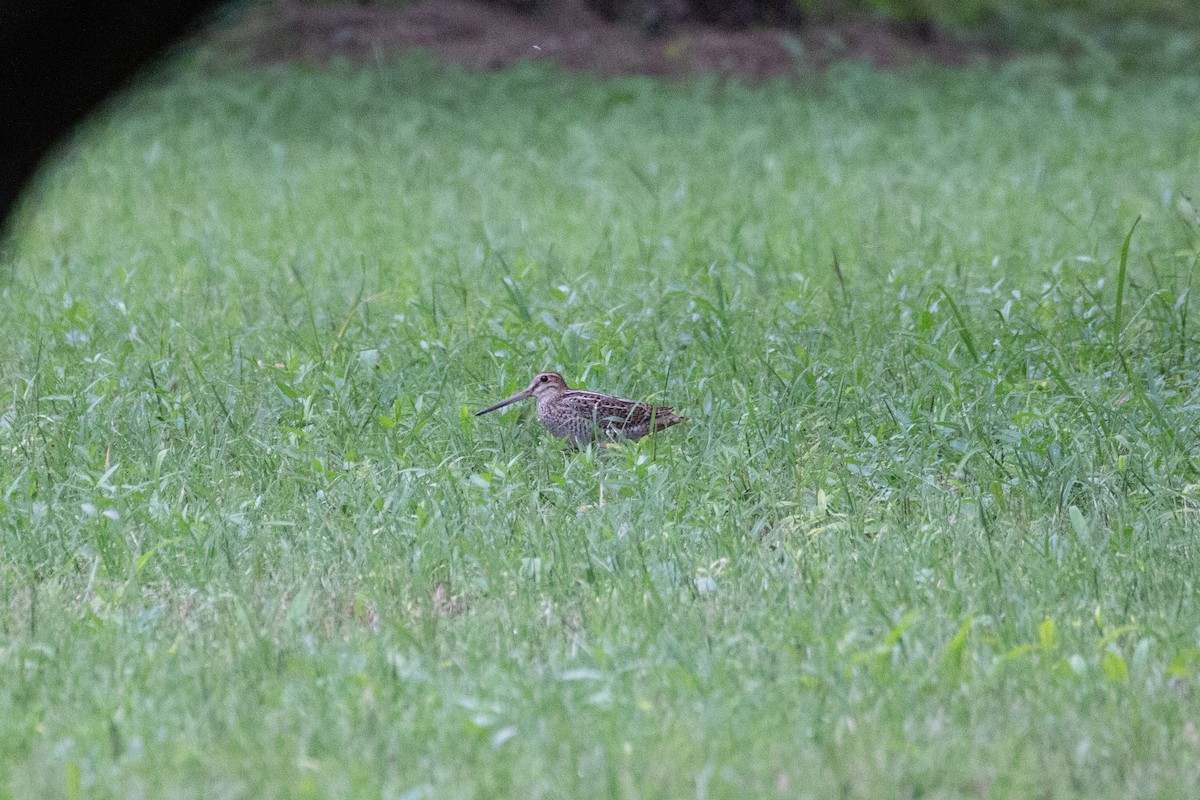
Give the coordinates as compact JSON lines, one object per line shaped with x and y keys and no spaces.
{"x":481,"y":36}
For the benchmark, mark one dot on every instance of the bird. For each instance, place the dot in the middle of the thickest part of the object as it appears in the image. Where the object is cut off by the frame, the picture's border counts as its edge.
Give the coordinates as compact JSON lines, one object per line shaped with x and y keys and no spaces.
{"x":580,"y":417}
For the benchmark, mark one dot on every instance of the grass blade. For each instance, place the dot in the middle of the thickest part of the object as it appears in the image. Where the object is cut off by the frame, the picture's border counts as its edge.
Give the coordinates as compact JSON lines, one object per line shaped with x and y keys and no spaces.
{"x":1121,"y":267}
{"x":963,"y":330}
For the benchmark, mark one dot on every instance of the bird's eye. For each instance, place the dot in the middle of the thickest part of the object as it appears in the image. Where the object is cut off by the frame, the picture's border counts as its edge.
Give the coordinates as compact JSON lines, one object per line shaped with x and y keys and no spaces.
{"x":545,"y":378}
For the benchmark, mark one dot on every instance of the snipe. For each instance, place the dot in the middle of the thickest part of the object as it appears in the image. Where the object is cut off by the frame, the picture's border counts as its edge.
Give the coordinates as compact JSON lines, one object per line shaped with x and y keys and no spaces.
{"x":579,"y":416}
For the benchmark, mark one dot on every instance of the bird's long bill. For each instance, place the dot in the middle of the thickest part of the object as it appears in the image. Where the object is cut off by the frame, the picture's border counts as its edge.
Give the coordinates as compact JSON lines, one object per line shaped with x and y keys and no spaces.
{"x":518,"y":396}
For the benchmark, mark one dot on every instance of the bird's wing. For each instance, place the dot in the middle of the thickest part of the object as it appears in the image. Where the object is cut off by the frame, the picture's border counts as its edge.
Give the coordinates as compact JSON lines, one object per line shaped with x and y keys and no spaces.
{"x":616,"y":410}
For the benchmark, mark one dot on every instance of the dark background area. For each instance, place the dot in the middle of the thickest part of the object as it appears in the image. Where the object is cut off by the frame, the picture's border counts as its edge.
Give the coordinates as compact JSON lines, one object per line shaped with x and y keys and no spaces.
{"x":59,"y":60}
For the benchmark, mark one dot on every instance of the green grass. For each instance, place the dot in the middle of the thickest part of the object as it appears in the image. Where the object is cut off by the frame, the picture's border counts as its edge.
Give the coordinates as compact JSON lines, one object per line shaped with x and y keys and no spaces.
{"x":932,"y":531}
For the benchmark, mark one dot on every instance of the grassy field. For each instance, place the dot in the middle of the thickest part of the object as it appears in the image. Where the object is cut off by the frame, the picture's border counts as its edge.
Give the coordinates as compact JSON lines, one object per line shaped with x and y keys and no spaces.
{"x":932,"y":531}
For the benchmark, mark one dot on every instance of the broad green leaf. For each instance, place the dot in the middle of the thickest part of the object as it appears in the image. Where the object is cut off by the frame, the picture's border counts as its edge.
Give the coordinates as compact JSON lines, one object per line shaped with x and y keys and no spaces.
{"x":1047,"y":635}
{"x":1114,"y":667}
{"x":1079,"y":524}
{"x":1185,"y":663}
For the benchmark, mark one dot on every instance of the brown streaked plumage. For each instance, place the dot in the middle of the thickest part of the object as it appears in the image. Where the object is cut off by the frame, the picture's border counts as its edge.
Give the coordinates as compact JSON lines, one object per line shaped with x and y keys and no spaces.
{"x":580,"y":416}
